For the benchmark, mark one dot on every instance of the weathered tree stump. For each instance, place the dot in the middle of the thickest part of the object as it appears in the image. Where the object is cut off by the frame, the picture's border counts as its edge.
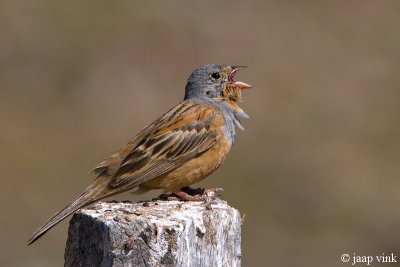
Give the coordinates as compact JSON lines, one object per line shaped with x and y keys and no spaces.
{"x":155,"y":233}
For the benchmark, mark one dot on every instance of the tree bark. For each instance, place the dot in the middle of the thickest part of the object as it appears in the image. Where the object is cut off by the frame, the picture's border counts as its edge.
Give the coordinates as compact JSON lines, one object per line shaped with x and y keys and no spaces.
{"x":155,"y":233}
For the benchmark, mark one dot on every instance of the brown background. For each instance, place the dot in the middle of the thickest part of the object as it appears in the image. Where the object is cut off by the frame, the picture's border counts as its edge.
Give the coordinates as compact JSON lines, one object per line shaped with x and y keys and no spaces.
{"x":317,"y":170}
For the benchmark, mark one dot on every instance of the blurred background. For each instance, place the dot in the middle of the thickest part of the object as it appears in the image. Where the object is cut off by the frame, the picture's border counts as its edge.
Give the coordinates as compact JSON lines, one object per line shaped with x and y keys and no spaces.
{"x":316,"y":171}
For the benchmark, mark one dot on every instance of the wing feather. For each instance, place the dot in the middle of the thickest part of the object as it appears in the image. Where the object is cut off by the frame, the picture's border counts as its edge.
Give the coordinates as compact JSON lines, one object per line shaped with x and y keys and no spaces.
{"x":171,"y":142}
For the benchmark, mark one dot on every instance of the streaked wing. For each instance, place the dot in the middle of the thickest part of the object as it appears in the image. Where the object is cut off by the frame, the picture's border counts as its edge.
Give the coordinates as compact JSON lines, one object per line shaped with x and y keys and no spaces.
{"x":111,"y":164}
{"x":180,"y":135}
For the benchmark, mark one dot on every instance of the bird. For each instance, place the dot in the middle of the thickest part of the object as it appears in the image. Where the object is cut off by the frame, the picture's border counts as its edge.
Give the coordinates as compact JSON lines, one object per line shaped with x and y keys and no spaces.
{"x":180,"y":148}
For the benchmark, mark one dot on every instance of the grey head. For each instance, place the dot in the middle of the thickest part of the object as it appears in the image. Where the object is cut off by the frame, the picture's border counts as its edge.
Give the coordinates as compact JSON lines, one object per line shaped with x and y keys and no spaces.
{"x":211,"y":80}
{"x":207,"y":81}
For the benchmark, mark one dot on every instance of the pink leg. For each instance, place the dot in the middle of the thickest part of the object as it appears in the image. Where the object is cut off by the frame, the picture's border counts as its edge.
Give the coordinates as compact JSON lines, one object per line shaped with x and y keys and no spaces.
{"x":186,"y":197}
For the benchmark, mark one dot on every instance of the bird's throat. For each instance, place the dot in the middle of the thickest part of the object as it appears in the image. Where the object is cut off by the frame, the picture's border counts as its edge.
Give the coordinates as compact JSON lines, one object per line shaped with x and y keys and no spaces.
{"x":232,"y":94}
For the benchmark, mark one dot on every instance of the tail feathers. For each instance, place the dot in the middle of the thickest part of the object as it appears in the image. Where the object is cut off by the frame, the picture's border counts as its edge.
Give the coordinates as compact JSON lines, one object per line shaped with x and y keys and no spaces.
{"x":97,"y":190}
{"x":83,"y":200}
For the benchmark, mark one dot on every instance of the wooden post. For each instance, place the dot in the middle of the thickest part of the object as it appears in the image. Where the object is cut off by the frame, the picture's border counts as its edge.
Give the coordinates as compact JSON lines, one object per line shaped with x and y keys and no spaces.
{"x":155,"y":233}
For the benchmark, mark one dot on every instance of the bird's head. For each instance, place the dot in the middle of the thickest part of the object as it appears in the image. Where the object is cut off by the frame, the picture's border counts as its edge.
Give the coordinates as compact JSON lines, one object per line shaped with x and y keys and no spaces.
{"x":215,"y":81}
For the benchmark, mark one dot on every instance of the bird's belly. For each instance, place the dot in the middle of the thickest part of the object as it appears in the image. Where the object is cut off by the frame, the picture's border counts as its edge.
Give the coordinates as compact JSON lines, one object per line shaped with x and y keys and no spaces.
{"x":194,"y":170}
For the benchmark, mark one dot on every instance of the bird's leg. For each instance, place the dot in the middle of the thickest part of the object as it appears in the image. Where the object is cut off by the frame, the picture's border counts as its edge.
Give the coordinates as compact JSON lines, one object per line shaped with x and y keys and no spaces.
{"x":182,"y":195}
{"x":185,"y":194}
{"x":198,"y":194}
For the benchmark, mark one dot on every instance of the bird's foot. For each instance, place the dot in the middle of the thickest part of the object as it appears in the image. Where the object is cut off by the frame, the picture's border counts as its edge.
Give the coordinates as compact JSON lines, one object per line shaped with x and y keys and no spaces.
{"x":198,"y":194}
{"x":192,"y":194}
{"x":183,"y":195}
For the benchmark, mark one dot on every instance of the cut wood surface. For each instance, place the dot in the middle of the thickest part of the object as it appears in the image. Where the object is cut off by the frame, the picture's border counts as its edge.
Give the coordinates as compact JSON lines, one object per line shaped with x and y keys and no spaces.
{"x":155,"y":233}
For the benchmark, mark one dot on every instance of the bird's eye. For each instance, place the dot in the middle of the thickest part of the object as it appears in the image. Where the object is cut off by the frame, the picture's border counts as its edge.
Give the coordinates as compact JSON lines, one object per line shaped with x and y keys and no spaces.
{"x":215,"y":76}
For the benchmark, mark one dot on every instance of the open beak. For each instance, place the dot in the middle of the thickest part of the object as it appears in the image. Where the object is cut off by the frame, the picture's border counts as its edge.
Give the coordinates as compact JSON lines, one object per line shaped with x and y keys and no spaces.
{"x":231,"y":75}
